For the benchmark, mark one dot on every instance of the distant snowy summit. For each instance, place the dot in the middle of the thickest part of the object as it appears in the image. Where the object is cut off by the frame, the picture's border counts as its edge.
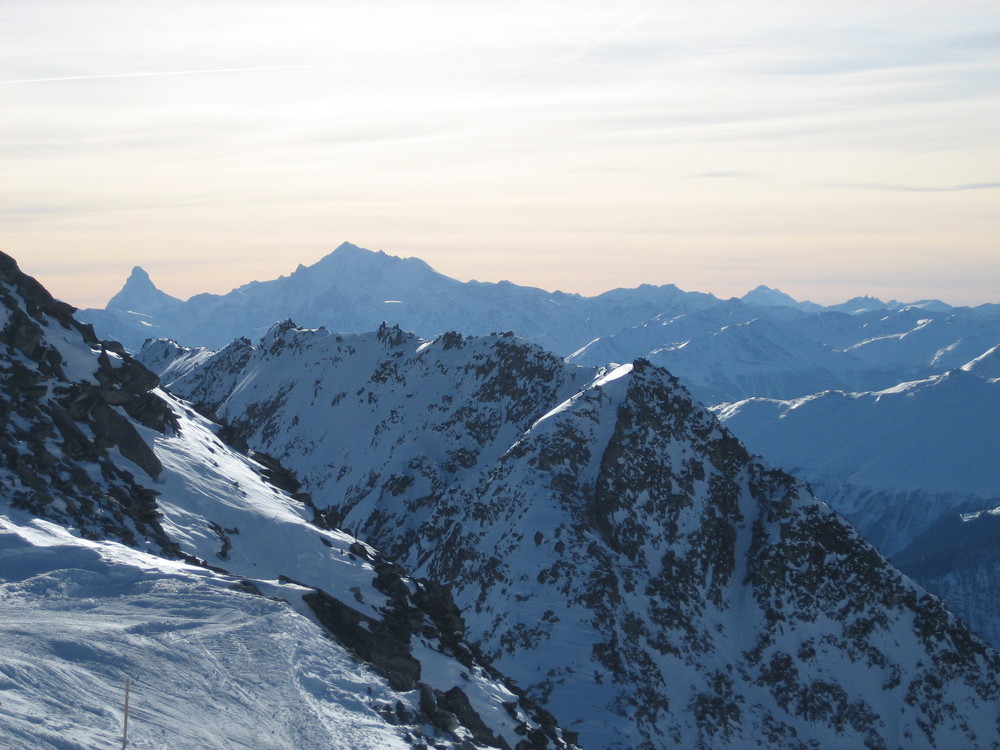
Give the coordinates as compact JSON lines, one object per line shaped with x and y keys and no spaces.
{"x":764,"y":296}
{"x":765,"y":344}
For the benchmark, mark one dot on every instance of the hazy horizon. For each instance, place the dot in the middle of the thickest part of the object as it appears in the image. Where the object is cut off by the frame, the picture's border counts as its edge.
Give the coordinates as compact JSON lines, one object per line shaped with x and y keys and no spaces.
{"x":829,"y":149}
{"x":100,"y":304}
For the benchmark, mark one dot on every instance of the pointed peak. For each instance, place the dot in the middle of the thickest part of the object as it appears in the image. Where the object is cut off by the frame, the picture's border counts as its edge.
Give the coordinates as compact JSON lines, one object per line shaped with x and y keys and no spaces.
{"x":139,"y":274}
{"x":345,"y":248}
{"x":140,"y":294}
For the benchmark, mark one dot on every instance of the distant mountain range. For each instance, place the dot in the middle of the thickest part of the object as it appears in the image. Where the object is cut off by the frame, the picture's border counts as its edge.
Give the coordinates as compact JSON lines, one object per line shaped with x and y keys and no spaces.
{"x":808,"y":362}
{"x":352,"y":289}
{"x":594,"y":534}
{"x":765,"y":344}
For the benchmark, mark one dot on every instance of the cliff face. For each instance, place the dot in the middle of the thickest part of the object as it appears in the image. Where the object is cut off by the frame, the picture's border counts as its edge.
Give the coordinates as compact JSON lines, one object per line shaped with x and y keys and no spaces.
{"x":611,"y":546}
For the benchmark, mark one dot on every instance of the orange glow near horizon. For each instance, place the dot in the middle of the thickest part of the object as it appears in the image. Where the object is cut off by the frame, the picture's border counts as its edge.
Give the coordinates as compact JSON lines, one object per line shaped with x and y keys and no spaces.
{"x":829,"y":150}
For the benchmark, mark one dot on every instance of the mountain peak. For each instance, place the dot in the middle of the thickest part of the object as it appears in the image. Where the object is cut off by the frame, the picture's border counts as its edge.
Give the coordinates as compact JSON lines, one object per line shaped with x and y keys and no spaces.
{"x":859,"y":305}
{"x":351,"y":260}
{"x":765,"y":296}
{"x":140,"y":294}
{"x":139,"y":276}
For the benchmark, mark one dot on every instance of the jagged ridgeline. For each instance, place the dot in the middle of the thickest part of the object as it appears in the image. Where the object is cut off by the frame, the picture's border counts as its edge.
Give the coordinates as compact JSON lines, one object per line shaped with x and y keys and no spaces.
{"x":249,"y":625}
{"x":611,"y":546}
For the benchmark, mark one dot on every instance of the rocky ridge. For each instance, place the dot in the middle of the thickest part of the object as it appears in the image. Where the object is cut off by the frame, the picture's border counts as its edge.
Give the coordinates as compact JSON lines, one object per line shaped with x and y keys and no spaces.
{"x":611,"y":546}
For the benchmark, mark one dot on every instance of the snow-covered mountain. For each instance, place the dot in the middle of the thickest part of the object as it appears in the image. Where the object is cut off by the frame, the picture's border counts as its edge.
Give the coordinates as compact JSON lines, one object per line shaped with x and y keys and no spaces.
{"x":906,"y":465}
{"x":727,"y":350}
{"x":353,"y":289}
{"x":136,"y":545}
{"x":764,"y":296}
{"x":766,"y":344}
{"x":733,"y":351}
{"x":612,"y":547}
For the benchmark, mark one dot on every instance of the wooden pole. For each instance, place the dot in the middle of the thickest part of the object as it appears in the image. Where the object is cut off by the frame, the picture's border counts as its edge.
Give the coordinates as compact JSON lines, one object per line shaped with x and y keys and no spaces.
{"x":125,"y":732}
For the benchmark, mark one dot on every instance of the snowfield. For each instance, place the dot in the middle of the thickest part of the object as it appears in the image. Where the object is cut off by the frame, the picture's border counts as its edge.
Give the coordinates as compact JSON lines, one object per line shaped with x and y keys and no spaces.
{"x":210,"y":666}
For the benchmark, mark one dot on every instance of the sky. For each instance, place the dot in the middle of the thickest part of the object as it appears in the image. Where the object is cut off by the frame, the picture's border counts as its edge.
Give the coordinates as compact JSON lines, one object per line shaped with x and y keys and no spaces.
{"x":828,"y":149}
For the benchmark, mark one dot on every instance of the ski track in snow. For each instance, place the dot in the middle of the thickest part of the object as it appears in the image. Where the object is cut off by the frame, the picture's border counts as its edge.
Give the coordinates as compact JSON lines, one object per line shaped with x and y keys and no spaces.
{"x":209,"y":667}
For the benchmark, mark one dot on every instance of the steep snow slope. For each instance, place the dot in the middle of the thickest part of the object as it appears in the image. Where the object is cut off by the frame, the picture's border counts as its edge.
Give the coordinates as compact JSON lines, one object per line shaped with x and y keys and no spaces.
{"x":91,"y":443}
{"x":612,"y":547}
{"x":904,"y":464}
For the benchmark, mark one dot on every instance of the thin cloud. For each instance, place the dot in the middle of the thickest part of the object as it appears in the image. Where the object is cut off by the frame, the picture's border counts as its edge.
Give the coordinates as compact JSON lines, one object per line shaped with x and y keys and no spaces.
{"x":928,"y":188}
{"x":159,"y":74}
{"x":722,"y":174}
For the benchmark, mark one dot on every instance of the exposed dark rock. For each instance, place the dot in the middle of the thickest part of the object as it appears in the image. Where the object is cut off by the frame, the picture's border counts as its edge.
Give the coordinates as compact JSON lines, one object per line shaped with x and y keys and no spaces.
{"x":457,"y":702}
{"x":117,"y":430}
{"x":275,"y":473}
{"x":367,"y":638}
{"x":75,"y":421}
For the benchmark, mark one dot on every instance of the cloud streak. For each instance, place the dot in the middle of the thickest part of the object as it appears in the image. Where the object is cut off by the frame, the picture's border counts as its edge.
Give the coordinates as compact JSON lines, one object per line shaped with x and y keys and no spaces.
{"x":163,"y":73}
{"x":928,"y":188}
{"x":465,"y":133}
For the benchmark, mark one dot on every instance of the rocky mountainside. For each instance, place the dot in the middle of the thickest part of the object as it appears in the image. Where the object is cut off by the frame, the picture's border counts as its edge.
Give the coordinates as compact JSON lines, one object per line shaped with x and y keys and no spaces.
{"x":136,"y":544}
{"x":907,"y":465}
{"x":611,"y":546}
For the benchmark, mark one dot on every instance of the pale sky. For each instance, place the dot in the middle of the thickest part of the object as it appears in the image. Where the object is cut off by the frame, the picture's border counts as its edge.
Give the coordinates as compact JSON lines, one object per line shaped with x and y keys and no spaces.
{"x":828,"y":149}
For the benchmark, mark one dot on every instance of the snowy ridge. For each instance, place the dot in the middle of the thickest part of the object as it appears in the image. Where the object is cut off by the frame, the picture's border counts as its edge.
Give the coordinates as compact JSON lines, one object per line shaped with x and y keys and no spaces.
{"x":765,"y":344}
{"x":612,"y":547}
{"x":242,"y":601}
{"x":734,"y":351}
